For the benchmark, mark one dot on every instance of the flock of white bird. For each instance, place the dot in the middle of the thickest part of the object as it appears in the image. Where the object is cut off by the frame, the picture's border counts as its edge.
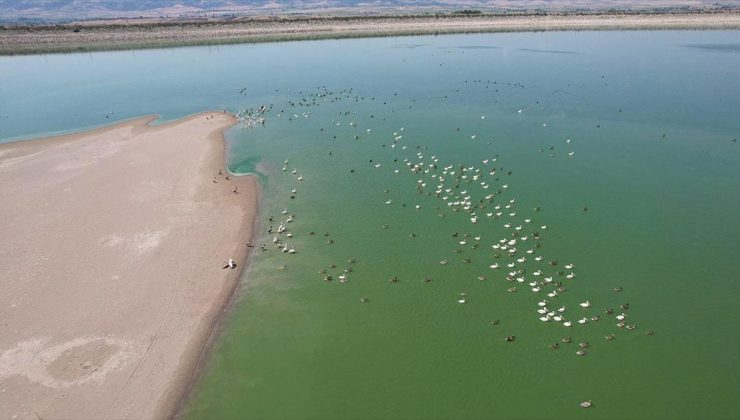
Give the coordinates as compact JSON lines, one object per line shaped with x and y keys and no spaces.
{"x":477,"y":193}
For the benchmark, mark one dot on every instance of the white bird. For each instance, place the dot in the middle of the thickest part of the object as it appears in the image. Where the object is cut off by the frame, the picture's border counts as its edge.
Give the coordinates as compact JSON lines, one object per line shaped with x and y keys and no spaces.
{"x":585,"y":304}
{"x":583,"y":320}
{"x":544,"y":319}
{"x":567,"y":323}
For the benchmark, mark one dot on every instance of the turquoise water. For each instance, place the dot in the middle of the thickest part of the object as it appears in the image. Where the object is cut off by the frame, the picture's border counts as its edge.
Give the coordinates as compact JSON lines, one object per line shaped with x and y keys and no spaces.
{"x":652,"y":119}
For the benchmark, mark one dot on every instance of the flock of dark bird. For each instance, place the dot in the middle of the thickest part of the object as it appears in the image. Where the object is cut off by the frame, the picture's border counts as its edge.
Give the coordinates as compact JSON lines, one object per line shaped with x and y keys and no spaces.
{"x":479,"y":193}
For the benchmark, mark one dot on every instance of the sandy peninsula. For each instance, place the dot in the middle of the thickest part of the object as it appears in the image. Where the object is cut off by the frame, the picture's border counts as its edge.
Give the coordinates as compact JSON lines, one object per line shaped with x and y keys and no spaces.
{"x":113,"y":243}
{"x":155,"y":33}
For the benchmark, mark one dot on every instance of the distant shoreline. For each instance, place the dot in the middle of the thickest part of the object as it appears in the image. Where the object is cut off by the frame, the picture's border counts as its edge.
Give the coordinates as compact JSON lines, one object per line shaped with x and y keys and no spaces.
{"x":142,"y":34}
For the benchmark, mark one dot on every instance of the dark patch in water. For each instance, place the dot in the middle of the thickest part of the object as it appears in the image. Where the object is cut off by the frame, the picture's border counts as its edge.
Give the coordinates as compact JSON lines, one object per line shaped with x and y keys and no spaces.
{"x":547,"y":51}
{"x":476,"y":47}
{"x":409,"y":46}
{"x":715,"y":47}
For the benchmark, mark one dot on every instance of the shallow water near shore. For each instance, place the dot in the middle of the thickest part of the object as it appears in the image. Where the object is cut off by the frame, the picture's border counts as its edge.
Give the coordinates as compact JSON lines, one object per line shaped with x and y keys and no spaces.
{"x":655,"y":164}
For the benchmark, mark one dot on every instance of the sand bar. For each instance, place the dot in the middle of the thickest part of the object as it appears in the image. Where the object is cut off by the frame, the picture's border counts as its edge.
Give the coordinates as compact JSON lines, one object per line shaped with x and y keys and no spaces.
{"x":111,"y":260}
{"x":128,"y":34}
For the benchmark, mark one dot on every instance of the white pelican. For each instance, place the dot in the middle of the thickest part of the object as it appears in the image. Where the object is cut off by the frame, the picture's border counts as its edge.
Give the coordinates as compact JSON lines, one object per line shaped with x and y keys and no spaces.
{"x":585,"y":304}
{"x":567,"y":323}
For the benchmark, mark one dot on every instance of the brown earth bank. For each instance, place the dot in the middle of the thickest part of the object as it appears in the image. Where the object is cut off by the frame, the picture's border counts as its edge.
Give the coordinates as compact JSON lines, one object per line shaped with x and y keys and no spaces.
{"x":146,"y":34}
{"x":111,"y":265}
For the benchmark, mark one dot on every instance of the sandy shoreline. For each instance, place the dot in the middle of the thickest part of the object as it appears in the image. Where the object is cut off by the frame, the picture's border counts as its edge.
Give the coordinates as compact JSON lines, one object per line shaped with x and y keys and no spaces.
{"x":113,"y":242}
{"x":146,"y":34}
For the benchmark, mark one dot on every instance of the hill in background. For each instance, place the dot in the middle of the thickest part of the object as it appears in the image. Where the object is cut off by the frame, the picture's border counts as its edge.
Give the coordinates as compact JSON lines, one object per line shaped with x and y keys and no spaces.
{"x":30,"y":11}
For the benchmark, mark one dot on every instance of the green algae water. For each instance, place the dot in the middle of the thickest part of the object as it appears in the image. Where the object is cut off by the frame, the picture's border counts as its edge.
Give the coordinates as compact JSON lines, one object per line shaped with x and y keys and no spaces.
{"x":443,"y":194}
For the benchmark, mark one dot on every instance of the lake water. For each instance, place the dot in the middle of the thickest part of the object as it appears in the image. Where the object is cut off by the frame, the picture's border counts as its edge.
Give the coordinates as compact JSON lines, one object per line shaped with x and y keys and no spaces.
{"x":613,"y":152}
